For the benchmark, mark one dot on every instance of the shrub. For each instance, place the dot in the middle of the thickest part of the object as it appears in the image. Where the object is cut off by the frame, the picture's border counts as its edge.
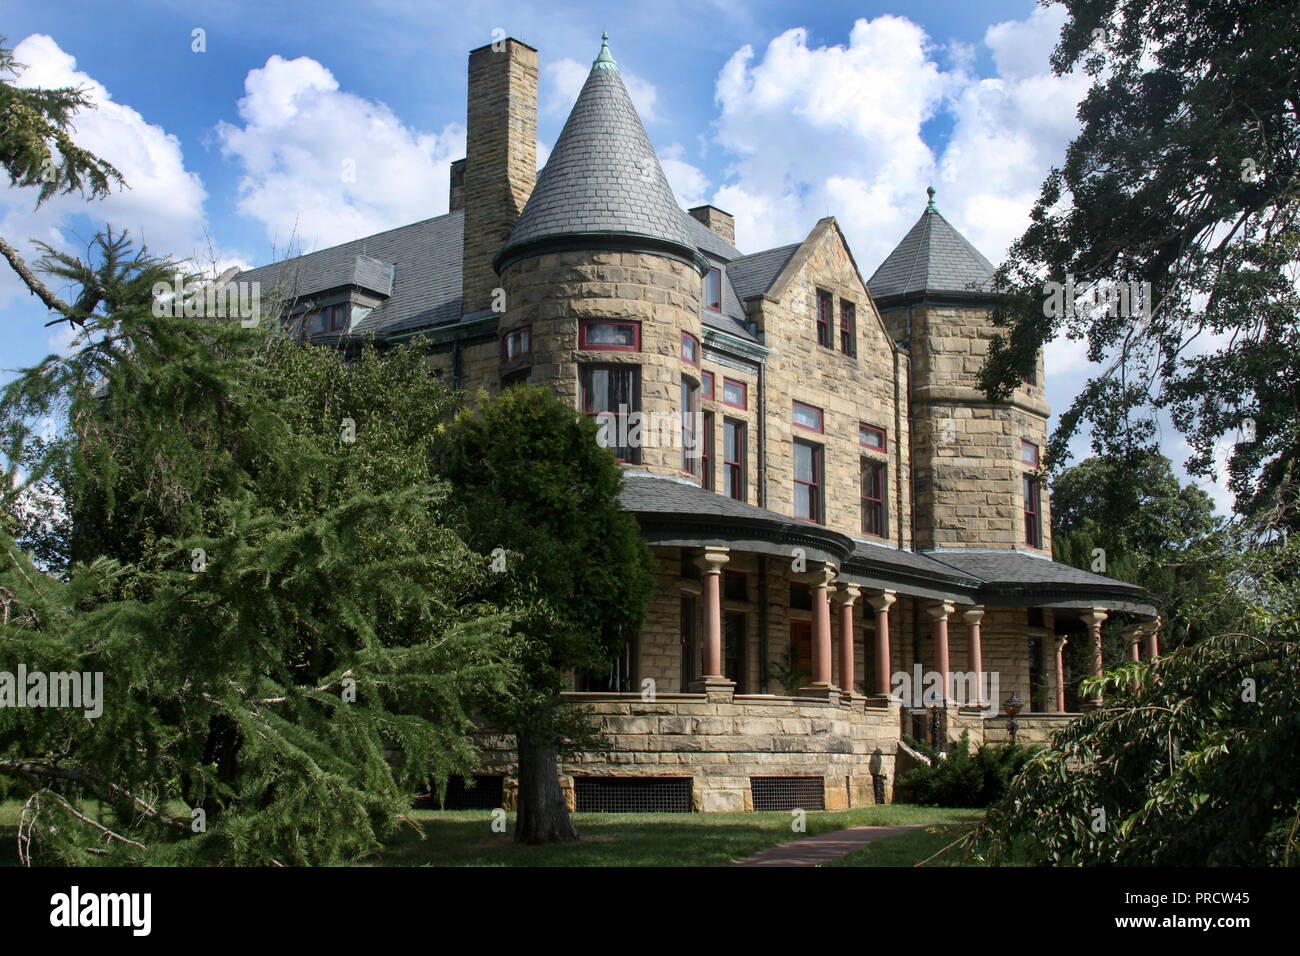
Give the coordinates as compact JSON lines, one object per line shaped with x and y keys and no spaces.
{"x":963,"y":778}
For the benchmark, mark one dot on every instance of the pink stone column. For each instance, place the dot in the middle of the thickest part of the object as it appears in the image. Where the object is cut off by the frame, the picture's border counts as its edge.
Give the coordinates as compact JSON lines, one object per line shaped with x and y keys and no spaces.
{"x":1133,"y":653}
{"x":710,"y":563}
{"x":822,"y":683}
{"x":1153,"y":640}
{"x":846,"y":595}
{"x":1093,"y":619}
{"x":939,"y":615}
{"x":1060,"y":674}
{"x":974,"y":651}
{"x":880,"y":603}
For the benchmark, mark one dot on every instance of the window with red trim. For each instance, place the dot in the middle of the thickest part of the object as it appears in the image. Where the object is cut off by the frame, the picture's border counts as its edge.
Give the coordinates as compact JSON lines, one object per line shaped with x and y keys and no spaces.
{"x":873,"y":497}
{"x":610,"y":394}
{"x":807,"y":481}
{"x":713,"y":290}
{"x":614,"y":336}
{"x":690,"y":410}
{"x":734,"y":394}
{"x":848,"y":328}
{"x":733,"y":459}
{"x":808,"y":416}
{"x":1029,"y":453}
{"x":706,"y":386}
{"x":869,"y":436}
{"x":1033,"y":527}
{"x":706,"y":453}
{"x":690,"y":348}
{"x":517,"y":344}
{"x":825,"y":321}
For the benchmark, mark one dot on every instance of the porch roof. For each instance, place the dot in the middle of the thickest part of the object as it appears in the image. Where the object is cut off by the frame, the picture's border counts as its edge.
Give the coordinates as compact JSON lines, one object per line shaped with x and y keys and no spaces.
{"x":674,"y":512}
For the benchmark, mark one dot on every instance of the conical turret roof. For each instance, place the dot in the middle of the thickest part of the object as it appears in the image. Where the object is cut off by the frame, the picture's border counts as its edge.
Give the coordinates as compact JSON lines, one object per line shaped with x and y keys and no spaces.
{"x":602,"y":179}
{"x":933,"y":257}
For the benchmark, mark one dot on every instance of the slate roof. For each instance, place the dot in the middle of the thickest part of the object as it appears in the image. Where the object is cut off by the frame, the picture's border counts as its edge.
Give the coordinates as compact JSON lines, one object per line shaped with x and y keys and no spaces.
{"x":416,"y":268}
{"x":602,"y":177}
{"x":967,"y":576}
{"x":933,"y":257}
{"x":708,"y":241}
{"x":1014,"y":568}
{"x":754,"y":275}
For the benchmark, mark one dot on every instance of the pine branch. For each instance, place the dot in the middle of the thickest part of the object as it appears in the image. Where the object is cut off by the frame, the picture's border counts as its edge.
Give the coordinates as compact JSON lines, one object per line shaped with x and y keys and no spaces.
{"x":34,"y":284}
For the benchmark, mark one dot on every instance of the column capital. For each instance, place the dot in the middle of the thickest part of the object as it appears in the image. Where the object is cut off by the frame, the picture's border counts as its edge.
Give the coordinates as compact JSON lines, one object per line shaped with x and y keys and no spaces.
{"x":881,"y":600}
{"x":1061,"y":641}
{"x":819,"y":574}
{"x":972,"y":615}
{"x":845,"y":594}
{"x":1094,"y":617}
{"x":940,"y":610}
{"x":711,"y":560}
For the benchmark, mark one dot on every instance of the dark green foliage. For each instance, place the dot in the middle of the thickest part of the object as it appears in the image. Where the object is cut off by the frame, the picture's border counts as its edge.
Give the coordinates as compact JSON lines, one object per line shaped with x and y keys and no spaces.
{"x":1186,"y":175}
{"x":34,"y":123}
{"x":963,"y":778}
{"x":536,"y":490}
{"x":1154,"y":532}
{"x":1195,"y":768}
{"x":332,"y":617}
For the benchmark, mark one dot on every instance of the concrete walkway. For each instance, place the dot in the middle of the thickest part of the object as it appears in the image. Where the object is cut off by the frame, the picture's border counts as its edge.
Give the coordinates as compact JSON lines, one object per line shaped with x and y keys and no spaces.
{"x":821,"y":849}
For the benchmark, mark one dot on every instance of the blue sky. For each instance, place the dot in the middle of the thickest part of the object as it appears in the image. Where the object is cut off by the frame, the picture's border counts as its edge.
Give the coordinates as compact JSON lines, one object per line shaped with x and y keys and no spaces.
{"x":780,"y":113}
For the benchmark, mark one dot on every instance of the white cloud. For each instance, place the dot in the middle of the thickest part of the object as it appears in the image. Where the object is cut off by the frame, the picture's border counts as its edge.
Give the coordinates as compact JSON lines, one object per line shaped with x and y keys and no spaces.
{"x":324,"y":166}
{"x":164,"y":205}
{"x":833,"y":130}
{"x":688,"y":182}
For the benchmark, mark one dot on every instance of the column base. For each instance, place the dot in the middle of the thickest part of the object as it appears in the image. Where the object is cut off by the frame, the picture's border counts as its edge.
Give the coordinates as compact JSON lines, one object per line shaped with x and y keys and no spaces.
{"x":821,"y":692}
{"x":884,"y":700}
{"x":716,"y":689}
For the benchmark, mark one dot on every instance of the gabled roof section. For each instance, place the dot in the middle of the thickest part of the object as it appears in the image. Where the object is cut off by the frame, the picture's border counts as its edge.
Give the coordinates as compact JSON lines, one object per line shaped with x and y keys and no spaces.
{"x":754,"y":275}
{"x":602,"y":179}
{"x":414,"y":269}
{"x":933,"y":257}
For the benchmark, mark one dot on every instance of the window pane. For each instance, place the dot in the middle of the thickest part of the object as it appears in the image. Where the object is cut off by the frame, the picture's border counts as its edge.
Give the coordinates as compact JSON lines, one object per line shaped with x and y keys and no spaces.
{"x":610,"y":333}
{"x":733,"y":393}
{"x":872,"y":437}
{"x":808,"y":417}
{"x":713,"y":289}
{"x":804,"y":469}
{"x":1029,"y":453}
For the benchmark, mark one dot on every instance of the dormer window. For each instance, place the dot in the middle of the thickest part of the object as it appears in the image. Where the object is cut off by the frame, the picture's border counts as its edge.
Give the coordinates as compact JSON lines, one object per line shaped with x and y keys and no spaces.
{"x":331,"y":319}
{"x":713,"y":290}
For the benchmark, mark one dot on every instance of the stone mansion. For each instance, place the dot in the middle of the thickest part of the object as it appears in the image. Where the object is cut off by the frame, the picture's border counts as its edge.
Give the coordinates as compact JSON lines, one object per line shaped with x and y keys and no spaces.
{"x":845,"y":510}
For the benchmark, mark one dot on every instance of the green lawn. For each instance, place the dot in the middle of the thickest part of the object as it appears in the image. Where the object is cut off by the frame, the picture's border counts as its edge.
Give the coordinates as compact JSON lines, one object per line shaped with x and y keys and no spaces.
{"x":465,"y":838}
{"x":911,"y":848}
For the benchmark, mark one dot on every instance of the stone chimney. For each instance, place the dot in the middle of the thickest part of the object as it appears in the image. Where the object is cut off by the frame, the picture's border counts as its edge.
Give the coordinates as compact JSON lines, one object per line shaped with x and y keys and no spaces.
{"x":456,"y":200}
{"x":500,"y":159}
{"x":721,"y":223}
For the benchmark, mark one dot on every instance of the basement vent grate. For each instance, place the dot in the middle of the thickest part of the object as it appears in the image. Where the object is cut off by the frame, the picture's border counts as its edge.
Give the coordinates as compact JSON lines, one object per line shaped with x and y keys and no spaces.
{"x":485,"y":794}
{"x":788,"y":793}
{"x":632,"y":794}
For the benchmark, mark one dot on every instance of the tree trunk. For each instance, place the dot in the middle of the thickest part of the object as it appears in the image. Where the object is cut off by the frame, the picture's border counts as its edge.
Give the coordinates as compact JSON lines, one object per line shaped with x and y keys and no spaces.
{"x":543,"y":815}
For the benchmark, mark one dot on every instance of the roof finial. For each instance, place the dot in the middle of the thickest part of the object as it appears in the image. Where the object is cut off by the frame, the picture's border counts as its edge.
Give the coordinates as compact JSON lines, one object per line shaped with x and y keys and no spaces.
{"x":930,"y":206}
{"x":604,"y":61}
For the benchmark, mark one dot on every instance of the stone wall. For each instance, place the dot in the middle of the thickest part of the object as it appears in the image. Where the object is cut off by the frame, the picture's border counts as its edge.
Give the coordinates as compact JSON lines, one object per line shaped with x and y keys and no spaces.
{"x":849,"y":389}
{"x":721,"y":744}
{"x":968,"y":484}
{"x":553,"y":293}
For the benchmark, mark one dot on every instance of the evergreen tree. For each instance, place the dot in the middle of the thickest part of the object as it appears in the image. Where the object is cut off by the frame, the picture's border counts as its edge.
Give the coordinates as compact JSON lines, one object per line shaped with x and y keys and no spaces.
{"x":246,"y":538}
{"x":537,"y":490}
